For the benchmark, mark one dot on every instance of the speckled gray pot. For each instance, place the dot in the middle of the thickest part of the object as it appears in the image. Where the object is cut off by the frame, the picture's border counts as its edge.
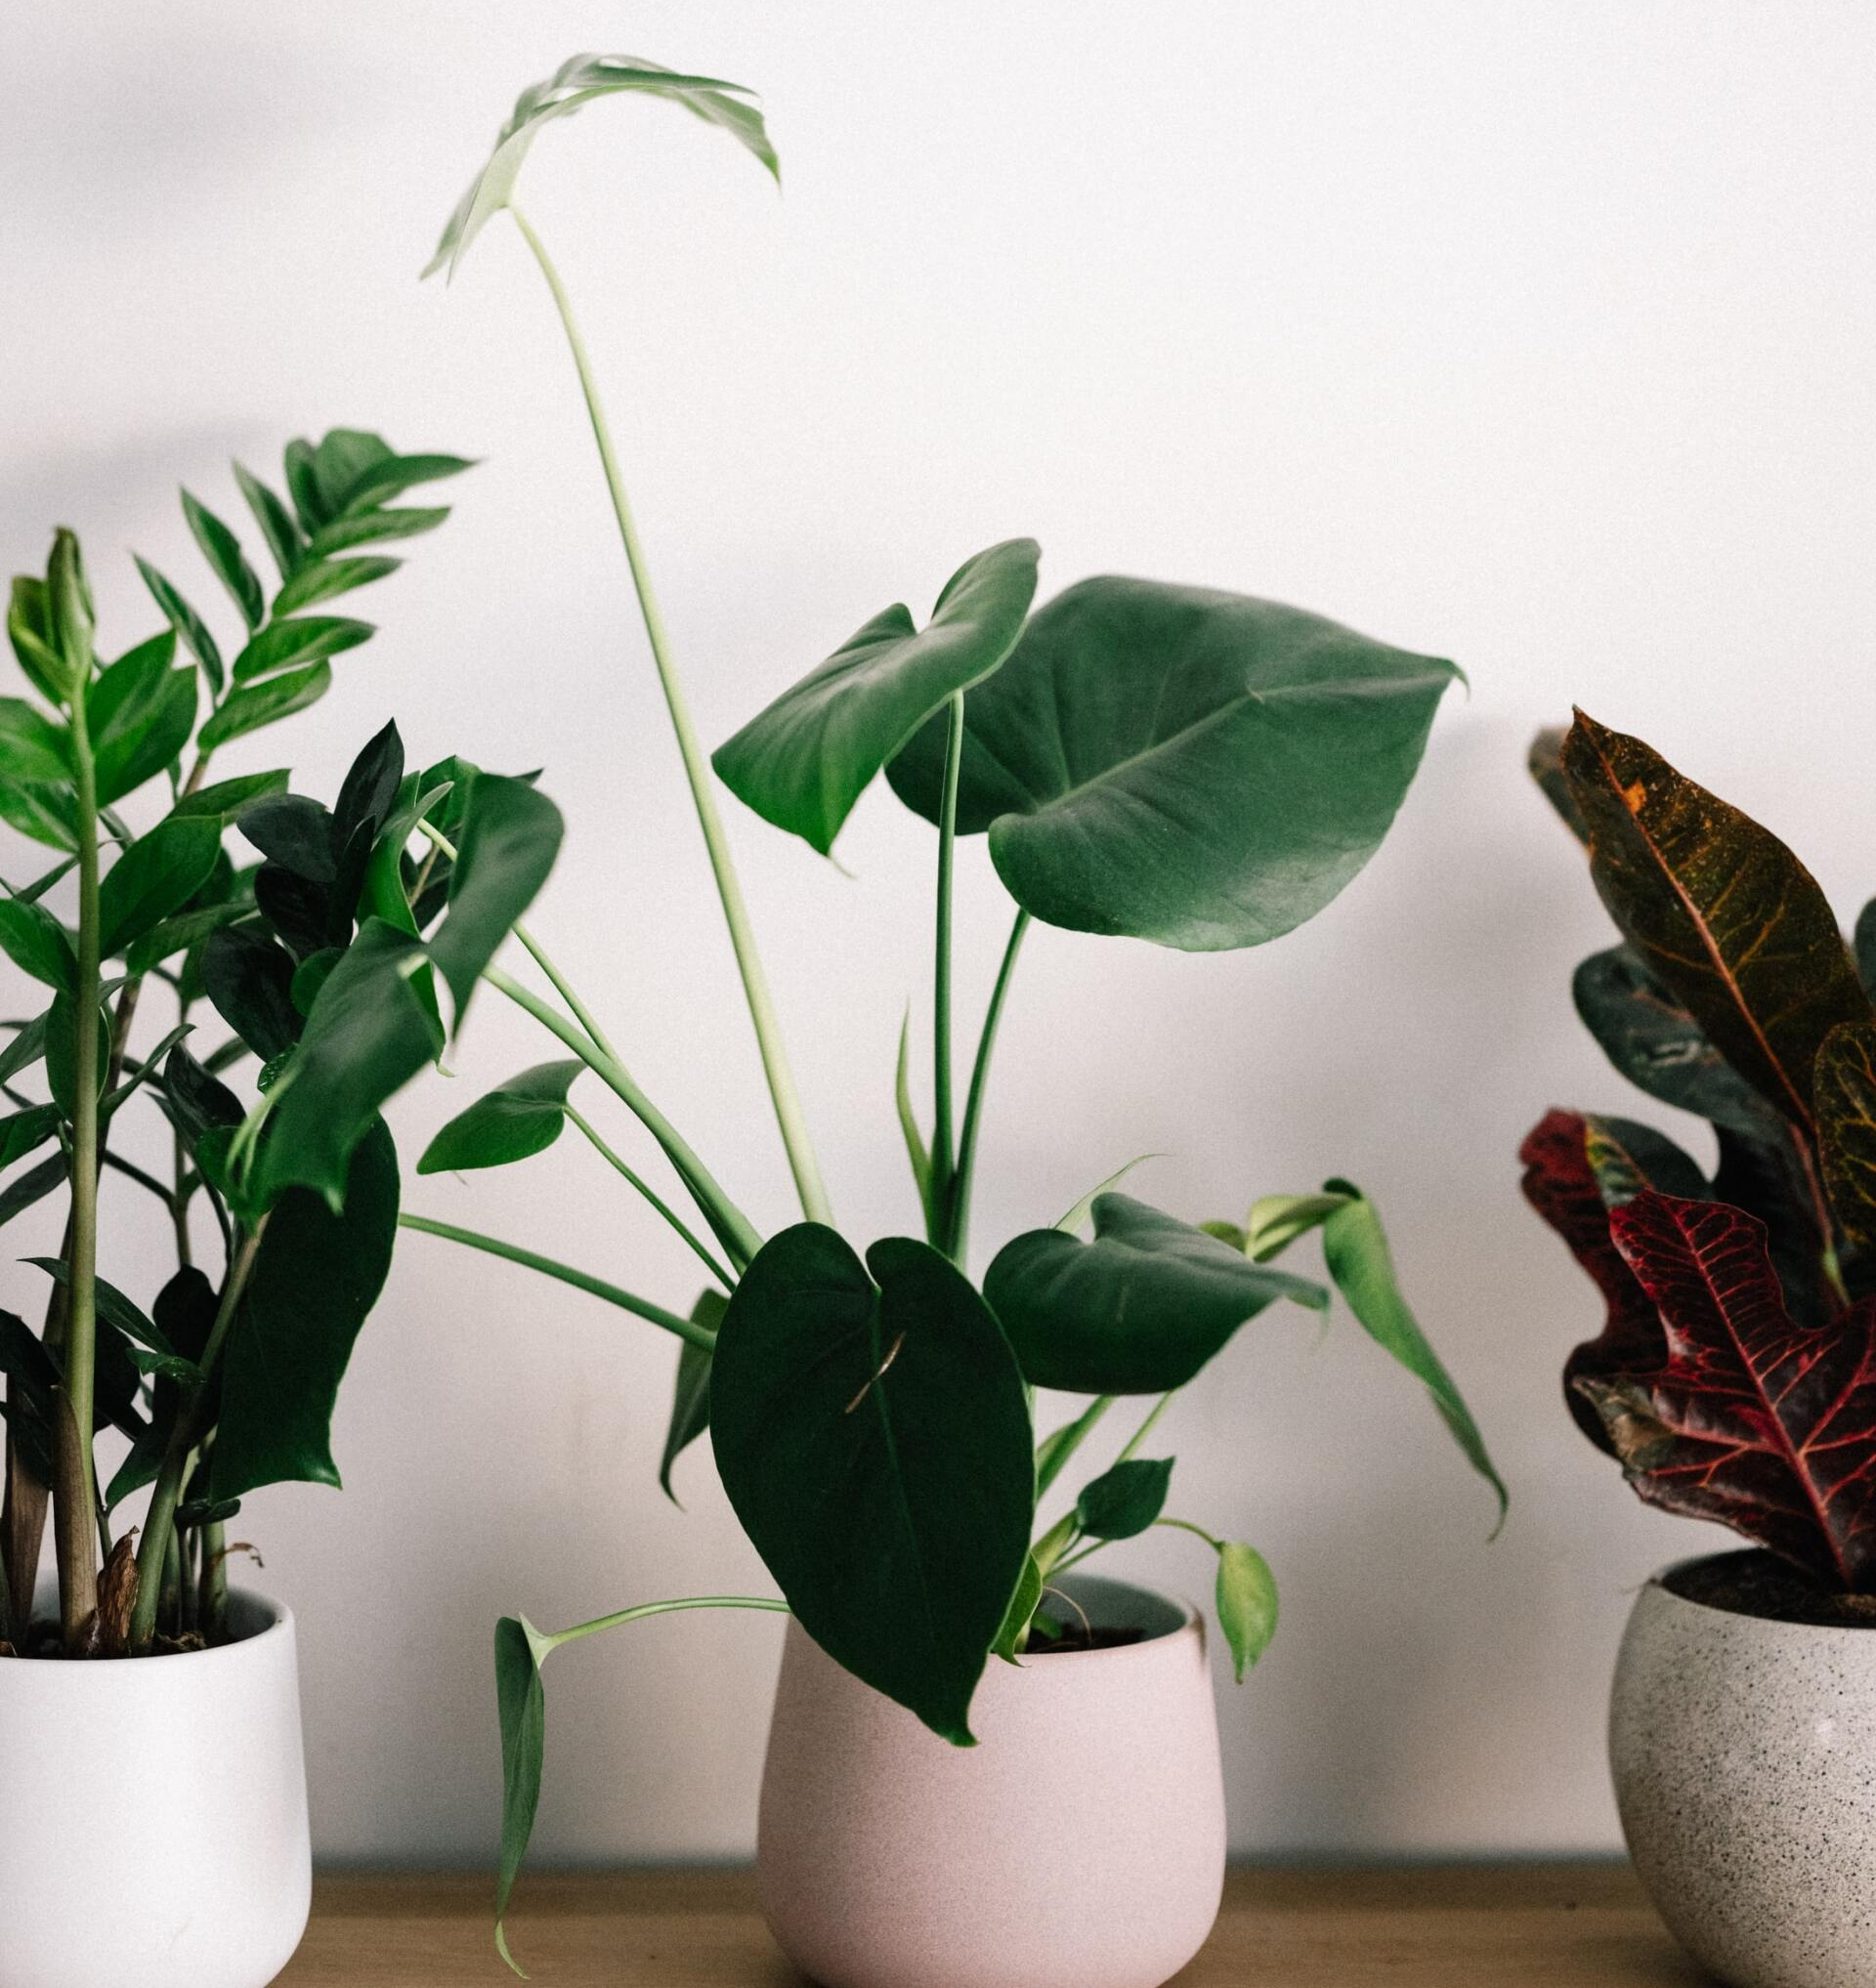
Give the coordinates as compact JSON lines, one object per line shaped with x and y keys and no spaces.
{"x":1744,"y":1755}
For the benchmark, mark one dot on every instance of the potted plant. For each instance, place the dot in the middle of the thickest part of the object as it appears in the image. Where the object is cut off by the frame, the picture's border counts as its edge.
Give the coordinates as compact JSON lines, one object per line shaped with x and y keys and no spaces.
{"x":1735,"y":1377}
{"x":161,"y":1798}
{"x":1170,"y":763}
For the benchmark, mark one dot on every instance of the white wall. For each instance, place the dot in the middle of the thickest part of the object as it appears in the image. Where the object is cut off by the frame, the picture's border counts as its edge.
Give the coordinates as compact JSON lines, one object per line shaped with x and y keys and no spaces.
{"x":1534,"y":335}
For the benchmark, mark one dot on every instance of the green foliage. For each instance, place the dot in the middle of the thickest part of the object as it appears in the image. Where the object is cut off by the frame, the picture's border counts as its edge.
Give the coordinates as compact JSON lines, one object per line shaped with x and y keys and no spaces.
{"x":1125,"y":1499}
{"x":1246,"y":1599}
{"x":514,"y":1121}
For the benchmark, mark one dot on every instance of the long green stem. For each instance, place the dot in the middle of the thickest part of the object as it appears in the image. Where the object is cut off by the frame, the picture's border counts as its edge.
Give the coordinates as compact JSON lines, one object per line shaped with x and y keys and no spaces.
{"x":943,"y":1133}
{"x":651,"y":1608}
{"x":959,"y":1232}
{"x":663,"y":1208}
{"x":731,"y":1226}
{"x":74,"y":1521}
{"x":472,"y":1239}
{"x":755,"y":988}
{"x":187,"y":1432}
{"x":1146,"y":1428}
{"x":1054,"y":1456}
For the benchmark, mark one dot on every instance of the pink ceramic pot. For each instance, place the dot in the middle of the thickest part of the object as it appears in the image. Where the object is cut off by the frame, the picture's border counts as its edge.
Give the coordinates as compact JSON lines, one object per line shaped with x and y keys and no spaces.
{"x":1080,"y":1845}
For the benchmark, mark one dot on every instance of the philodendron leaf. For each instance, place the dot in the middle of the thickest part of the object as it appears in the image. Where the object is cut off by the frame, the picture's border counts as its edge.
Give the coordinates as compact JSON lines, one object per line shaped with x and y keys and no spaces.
{"x":520,"y":1705}
{"x":874,"y":1437}
{"x":318,"y":1275}
{"x":155,"y":876}
{"x":1246,"y":1598}
{"x":141,"y":712}
{"x":578,"y":80}
{"x":1175,"y":764}
{"x":510,"y":836}
{"x":1138,"y":1310}
{"x":1354,"y":1246}
{"x":1125,"y":1499}
{"x":805,"y":760}
{"x":1720,"y":909}
{"x":36,"y":943}
{"x":1845,"y":1108}
{"x":691,"y":1398}
{"x":513,"y":1121}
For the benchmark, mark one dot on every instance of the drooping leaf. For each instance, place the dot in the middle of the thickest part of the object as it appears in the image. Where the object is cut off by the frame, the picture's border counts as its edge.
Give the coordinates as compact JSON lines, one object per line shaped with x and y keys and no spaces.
{"x":1719,"y":911}
{"x":1246,"y":1599}
{"x":1749,"y":1420}
{"x":510,"y":836}
{"x":513,"y":1121}
{"x":578,"y":80}
{"x":1845,"y":1111}
{"x":1277,"y":1220}
{"x":36,"y":943}
{"x":155,"y":877}
{"x":265,"y":703}
{"x":1138,"y":1310}
{"x":223,"y":551}
{"x":32,"y":747}
{"x":521,"y":1709}
{"x":297,"y":641}
{"x":251,"y":981}
{"x":804,"y":761}
{"x":874,"y":1439}
{"x":1009,"y":1638}
{"x":277,"y":524}
{"x":140,"y":712}
{"x":691,"y":1396}
{"x":1354,"y":1246}
{"x":1196,"y":768}
{"x":317,"y":1276}
{"x":1125,"y":1499}
{"x":187,"y":624}
{"x":326,"y":579}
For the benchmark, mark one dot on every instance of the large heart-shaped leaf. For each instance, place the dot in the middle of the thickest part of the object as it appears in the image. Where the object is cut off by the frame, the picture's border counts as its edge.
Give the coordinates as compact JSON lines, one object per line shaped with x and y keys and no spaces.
{"x":1720,"y":909}
{"x":1175,"y":764}
{"x":875,"y":1441}
{"x":578,"y":80}
{"x":1137,"y":1310}
{"x":318,"y":1275}
{"x":1750,"y":1420}
{"x":805,"y":760}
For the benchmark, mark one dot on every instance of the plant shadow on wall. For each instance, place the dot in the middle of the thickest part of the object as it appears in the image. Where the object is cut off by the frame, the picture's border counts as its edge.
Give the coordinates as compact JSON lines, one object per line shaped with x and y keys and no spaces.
{"x":1168,"y":763}
{"x":322,"y":958}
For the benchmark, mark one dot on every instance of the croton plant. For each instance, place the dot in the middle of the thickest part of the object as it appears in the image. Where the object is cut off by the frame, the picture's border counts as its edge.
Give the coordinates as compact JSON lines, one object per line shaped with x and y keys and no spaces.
{"x":1734,"y":1377}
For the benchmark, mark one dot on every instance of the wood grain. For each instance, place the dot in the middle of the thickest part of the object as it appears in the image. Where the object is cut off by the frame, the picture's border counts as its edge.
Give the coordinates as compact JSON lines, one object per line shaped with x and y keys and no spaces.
{"x":1583,"y":1925}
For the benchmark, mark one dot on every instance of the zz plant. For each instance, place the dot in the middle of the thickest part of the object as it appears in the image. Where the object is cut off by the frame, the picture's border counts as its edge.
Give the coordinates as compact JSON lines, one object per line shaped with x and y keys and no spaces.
{"x":1735,"y":1377}
{"x":1167,"y":763}
{"x":224,"y":1380}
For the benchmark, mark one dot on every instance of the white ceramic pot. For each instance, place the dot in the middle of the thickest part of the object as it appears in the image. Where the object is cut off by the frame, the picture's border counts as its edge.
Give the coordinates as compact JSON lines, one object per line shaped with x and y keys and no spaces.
{"x":154,"y":1832}
{"x":1080,"y":1845}
{"x":1744,"y":1754}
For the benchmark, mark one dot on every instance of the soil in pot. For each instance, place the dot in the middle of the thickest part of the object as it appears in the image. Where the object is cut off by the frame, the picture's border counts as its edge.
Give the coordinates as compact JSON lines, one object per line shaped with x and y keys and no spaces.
{"x":1760,"y":1583}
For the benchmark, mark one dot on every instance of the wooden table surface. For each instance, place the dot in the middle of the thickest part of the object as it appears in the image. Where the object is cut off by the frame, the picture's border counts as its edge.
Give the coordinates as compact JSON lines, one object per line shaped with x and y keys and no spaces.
{"x":1533,"y":1926}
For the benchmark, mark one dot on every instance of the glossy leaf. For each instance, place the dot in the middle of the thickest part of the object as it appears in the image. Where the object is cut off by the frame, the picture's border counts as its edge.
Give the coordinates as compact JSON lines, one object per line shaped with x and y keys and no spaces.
{"x":371,"y":528}
{"x":318,"y":1275}
{"x":326,"y":579}
{"x":294,"y":831}
{"x":510,"y":836}
{"x":297,"y":641}
{"x":30,"y":631}
{"x":38,"y":810}
{"x":394,"y":475}
{"x":277,"y":523}
{"x":62,"y":1047}
{"x":1354,"y":1246}
{"x":31,"y":746}
{"x":1246,"y":1599}
{"x":251,"y":982}
{"x":24,"y":1132}
{"x":155,"y":876}
{"x":230,"y":799}
{"x":27,"y":1046}
{"x":1749,"y":1420}
{"x":874,"y":1440}
{"x":513,"y":1121}
{"x":691,"y":1396}
{"x":521,"y":1706}
{"x":189,"y":625}
{"x":197,"y":1099}
{"x":1125,"y":1499}
{"x":1010,"y":1638}
{"x":577,"y":81}
{"x":140,"y":712}
{"x":1845,"y":1108}
{"x":1138,"y":1310}
{"x":804,"y":761}
{"x":1719,"y":911}
{"x":36,"y":943}
{"x":33,"y":1185}
{"x":265,"y":703}
{"x":223,"y":551}
{"x":1191,"y":767}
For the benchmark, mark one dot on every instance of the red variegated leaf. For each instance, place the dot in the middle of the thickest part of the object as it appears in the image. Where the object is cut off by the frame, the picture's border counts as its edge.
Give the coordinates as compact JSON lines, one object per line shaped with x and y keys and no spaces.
{"x":1764,"y":1425}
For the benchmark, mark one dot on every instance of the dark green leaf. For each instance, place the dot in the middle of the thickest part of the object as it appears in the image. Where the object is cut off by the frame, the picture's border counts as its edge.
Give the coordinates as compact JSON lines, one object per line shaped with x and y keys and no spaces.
{"x":264,"y":704}
{"x":140,"y":712}
{"x":579,"y":81}
{"x":46,"y":814}
{"x":1125,"y":1501}
{"x":397,"y":474}
{"x":312,"y":973}
{"x":372,"y":526}
{"x":691,"y":1398}
{"x":178,"y":934}
{"x":297,"y":641}
{"x":36,"y":943}
{"x":326,"y":579}
{"x":513,"y":1121}
{"x":31,"y":746}
{"x":875,"y":1446}
{"x":196,"y":1099}
{"x":1195,"y":768}
{"x":62,"y":1066}
{"x":223,"y":551}
{"x":232,"y":798}
{"x":318,"y":1275}
{"x":322,"y":479}
{"x":522,"y":1707}
{"x":186,"y":623}
{"x":20,"y":1132}
{"x":29,"y":1045}
{"x":31,"y":1186}
{"x":805,"y":760}
{"x":277,"y":527}
{"x":294,"y":831}
{"x":1138,"y":1310}
{"x":510,"y":836}
{"x":369,"y":789}
{"x":204,"y":1511}
{"x":251,"y":981}
{"x":1247,"y":1604}
{"x":155,"y":876}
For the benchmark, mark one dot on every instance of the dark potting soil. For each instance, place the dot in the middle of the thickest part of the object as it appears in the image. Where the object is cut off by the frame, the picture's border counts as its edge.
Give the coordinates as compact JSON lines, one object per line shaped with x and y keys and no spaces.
{"x":1760,"y":1583}
{"x":1048,"y":1643}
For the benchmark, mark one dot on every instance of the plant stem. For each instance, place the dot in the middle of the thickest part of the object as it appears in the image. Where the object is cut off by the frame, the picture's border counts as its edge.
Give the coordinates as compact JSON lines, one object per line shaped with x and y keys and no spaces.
{"x":755,"y":988}
{"x":943,"y":1150}
{"x":160,"y":1521}
{"x":74,"y":1529}
{"x":1146,"y":1428}
{"x":472,"y":1239}
{"x":650,"y":1608}
{"x":1063,"y":1444}
{"x":1198,"y":1532}
{"x":670,"y":1214}
{"x":960,"y":1199}
{"x":731,"y":1226}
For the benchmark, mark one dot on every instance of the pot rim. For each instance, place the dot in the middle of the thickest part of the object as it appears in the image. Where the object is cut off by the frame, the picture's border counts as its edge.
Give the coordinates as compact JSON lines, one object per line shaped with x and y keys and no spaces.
{"x":1658,"y":1580}
{"x":280,"y":1621}
{"x":1191,"y":1623}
